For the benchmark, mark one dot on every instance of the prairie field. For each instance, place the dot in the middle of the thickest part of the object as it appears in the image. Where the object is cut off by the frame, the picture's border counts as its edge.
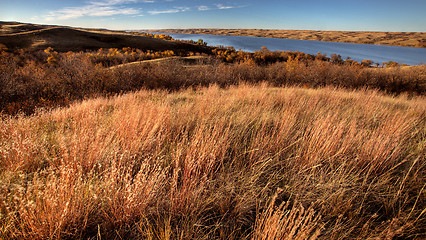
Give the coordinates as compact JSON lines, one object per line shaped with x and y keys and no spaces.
{"x":248,"y":161}
{"x":128,"y":143}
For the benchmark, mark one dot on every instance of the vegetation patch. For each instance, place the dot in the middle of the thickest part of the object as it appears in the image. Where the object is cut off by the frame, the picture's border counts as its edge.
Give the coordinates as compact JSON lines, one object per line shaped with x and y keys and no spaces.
{"x":244,"y":162}
{"x":44,"y":79}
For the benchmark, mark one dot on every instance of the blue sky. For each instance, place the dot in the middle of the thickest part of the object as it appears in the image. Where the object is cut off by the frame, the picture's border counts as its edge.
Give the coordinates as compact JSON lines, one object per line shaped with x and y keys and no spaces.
{"x":368,"y":15}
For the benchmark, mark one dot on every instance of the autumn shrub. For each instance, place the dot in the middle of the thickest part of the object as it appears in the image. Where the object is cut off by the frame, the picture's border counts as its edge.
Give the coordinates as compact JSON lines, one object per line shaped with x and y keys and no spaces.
{"x":114,"y":56}
{"x":151,"y":35}
{"x":31,"y":80}
{"x":2,"y":47}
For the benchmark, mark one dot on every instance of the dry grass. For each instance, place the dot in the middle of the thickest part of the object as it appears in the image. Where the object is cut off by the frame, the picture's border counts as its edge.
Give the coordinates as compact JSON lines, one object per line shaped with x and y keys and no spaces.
{"x":246,"y":162}
{"x":407,"y":39}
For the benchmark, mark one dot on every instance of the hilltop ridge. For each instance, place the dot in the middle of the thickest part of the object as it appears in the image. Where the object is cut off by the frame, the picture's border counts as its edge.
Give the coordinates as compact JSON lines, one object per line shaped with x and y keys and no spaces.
{"x":35,"y":37}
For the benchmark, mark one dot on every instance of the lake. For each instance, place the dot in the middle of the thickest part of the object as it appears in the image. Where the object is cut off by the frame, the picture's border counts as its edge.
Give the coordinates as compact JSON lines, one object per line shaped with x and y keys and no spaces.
{"x":357,"y":52}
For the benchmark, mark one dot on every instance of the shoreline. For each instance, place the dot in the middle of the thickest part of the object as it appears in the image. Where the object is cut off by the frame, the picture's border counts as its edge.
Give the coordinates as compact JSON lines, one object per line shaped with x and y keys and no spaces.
{"x":399,"y":39}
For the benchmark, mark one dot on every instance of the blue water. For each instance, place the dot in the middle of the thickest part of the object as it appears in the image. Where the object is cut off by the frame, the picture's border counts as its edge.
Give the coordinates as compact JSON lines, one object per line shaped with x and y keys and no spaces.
{"x":357,"y":52}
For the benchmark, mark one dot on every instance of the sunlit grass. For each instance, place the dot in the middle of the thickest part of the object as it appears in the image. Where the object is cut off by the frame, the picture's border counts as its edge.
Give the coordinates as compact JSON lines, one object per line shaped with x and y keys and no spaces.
{"x":246,"y":162}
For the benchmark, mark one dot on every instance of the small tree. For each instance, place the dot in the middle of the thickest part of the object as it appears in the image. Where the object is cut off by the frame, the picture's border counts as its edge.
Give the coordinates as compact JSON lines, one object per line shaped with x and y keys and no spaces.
{"x":350,"y":61}
{"x":201,"y":42}
{"x":390,"y":64}
{"x":366,"y":62}
{"x":51,"y":56}
{"x":336,"y":58}
{"x":321,"y":57}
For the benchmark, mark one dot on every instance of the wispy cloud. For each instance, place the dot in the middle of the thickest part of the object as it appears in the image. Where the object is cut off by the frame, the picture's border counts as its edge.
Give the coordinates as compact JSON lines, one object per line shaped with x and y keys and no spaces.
{"x":164,"y":11}
{"x":119,"y":2}
{"x":174,"y":10}
{"x":96,"y":9}
{"x":203,"y":8}
{"x":216,"y":7}
{"x":199,"y":8}
{"x":221,"y":6}
{"x":99,"y":8}
{"x":111,"y":2}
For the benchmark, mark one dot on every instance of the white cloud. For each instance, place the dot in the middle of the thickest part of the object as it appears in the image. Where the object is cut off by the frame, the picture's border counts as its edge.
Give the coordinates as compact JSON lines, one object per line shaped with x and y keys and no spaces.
{"x":221,"y":6}
{"x":174,"y":10}
{"x":183,"y":9}
{"x":165,"y":11}
{"x":95,"y":9}
{"x":203,"y":8}
{"x":119,"y":2}
{"x":199,"y":8}
{"x":112,"y":2}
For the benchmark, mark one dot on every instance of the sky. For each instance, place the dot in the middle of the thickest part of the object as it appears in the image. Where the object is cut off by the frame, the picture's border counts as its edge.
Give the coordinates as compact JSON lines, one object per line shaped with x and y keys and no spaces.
{"x":351,"y":15}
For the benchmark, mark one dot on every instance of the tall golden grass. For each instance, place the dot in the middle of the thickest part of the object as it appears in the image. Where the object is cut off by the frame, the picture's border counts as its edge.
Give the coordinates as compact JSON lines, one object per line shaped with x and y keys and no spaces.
{"x":244,"y":162}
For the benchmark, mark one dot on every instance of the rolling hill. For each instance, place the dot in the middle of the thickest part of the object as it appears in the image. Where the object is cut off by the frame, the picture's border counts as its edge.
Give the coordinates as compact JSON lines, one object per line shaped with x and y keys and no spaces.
{"x":30,"y":36}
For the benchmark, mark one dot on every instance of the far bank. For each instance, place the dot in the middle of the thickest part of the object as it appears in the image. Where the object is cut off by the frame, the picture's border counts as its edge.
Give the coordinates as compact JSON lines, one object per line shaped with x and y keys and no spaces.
{"x":403,"y":39}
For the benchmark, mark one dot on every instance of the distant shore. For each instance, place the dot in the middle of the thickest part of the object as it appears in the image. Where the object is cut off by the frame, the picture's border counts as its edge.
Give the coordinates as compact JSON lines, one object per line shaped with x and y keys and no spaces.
{"x":405,"y":39}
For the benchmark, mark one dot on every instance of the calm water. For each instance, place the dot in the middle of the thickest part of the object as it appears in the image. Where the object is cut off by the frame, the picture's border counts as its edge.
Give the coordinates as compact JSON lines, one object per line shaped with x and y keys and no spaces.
{"x":358,"y":52}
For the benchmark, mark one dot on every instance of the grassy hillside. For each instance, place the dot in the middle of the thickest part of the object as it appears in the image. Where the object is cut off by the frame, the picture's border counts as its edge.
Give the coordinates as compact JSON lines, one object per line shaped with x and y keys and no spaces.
{"x":39,"y":37}
{"x":246,"y":162}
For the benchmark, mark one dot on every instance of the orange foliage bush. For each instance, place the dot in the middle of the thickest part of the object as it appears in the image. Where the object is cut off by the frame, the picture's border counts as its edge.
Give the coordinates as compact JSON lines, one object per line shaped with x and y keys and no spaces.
{"x":29,"y":80}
